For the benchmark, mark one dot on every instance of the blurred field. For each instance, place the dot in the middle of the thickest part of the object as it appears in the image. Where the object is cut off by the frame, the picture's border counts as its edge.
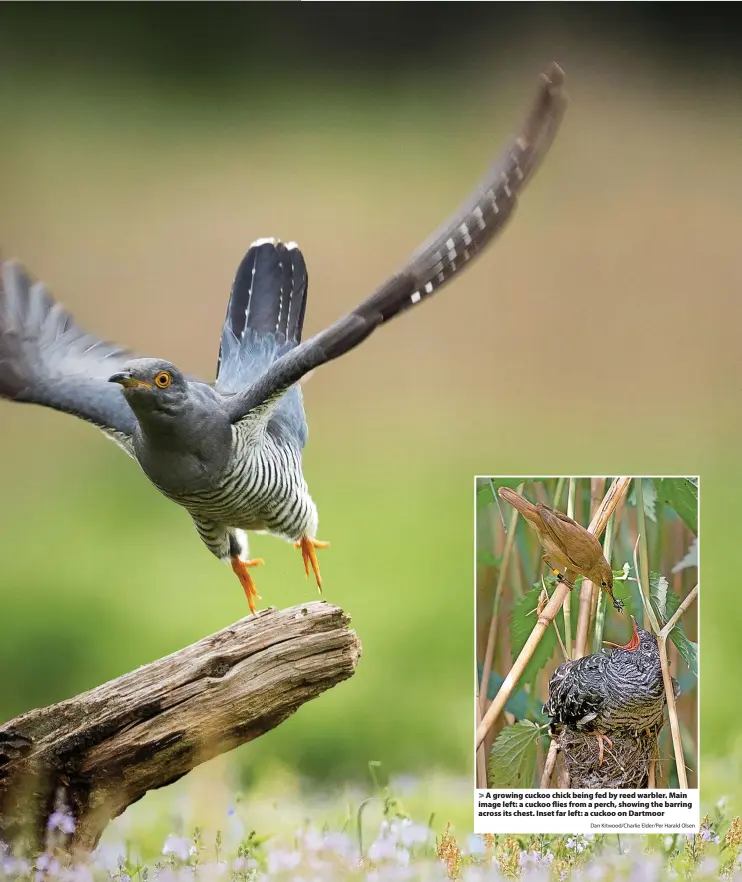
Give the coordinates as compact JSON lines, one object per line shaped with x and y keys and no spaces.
{"x":599,"y":335}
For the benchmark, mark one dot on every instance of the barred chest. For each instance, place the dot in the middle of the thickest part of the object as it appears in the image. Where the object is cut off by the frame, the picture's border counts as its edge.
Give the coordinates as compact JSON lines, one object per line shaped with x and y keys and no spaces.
{"x":261,"y":488}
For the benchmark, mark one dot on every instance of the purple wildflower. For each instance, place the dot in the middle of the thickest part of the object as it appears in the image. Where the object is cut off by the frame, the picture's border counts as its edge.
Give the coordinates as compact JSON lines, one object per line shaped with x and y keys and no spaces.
{"x":280,"y":859}
{"x":47,"y":863}
{"x":61,"y":821}
{"x":177,"y":845}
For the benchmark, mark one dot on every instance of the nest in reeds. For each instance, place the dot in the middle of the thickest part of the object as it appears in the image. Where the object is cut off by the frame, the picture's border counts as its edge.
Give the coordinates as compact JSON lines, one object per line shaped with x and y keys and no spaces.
{"x":626,"y":758}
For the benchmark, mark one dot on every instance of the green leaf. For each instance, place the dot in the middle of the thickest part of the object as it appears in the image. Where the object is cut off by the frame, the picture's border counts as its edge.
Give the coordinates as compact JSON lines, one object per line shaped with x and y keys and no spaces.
{"x":687,"y":648}
{"x":519,"y":704}
{"x":487,"y":559}
{"x":659,"y":594}
{"x":485,"y":495}
{"x":512,"y":760}
{"x":690,"y":559}
{"x":649,"y":492}
{"x":650,"y":499}
{"x":681,"y":494}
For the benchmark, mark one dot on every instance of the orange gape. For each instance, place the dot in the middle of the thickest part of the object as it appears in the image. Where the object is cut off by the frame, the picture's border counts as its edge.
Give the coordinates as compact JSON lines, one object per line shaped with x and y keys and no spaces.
{"x":568,"y":545}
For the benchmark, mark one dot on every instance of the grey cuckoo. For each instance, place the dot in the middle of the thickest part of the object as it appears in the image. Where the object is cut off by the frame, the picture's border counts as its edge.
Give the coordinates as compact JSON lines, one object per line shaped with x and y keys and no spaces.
{"x":231,"y":452}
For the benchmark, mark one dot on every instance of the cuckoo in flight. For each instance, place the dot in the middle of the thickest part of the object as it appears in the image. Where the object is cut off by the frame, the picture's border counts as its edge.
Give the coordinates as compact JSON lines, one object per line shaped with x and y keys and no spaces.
{"x":231,"y":452}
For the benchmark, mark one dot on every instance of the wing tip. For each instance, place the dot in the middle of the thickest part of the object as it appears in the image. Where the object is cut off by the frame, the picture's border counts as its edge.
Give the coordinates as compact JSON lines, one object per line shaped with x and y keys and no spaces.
{"x":275,"y":241}
{"x":554,"y":75}
{"x":12,"y":265}
{"x":553,"y":79}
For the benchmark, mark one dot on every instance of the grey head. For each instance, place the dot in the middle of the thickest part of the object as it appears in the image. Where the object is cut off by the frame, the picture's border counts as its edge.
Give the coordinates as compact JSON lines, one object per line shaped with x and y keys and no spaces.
{"x":641,"y":641}
{"x":153,"y":386}
{"x":184,"y":436}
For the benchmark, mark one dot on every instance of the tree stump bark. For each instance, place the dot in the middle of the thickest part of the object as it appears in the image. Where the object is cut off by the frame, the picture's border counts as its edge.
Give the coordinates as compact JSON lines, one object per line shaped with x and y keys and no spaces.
{"x":104,"y":749}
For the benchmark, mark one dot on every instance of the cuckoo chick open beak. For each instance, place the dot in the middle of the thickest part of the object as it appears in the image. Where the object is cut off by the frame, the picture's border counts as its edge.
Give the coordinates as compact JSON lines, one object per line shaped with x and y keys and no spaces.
{"x":632,"y":644}
{"x":125,"y":379}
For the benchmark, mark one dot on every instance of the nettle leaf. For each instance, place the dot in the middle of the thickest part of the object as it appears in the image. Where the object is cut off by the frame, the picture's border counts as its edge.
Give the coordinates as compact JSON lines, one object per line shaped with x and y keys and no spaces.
{"x":658,"y":592}
{"x":681,"y":494}
{"x":649,"y":492}
{"x":687,"y":648}
{"x":690,"y":559}
{"x":512,"y":760}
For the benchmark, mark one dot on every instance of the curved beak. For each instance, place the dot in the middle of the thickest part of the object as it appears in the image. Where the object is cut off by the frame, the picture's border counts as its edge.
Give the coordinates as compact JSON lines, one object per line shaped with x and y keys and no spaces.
{"x":125,"y":379}
{"x":632,"y":644}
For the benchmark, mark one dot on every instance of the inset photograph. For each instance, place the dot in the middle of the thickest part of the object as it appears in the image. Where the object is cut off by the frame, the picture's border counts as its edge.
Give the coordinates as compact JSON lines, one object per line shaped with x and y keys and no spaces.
{"x":586,"y":609}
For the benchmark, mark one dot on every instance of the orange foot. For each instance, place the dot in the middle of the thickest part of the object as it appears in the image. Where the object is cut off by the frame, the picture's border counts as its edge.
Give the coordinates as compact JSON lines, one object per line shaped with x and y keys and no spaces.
{"x":602,"y":738}
{"x":307,"y":546}
{"x":242,"y":571}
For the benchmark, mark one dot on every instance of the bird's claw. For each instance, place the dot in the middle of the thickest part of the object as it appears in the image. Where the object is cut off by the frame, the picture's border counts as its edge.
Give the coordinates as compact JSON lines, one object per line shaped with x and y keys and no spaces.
{"x":309,"y":556}
{"x":241,"y":568}
{"x":560,"y":578}
{"x":601,"y":739}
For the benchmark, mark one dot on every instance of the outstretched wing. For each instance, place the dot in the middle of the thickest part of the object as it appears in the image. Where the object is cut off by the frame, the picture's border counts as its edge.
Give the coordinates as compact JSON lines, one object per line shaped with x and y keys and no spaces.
{"x":576,"y":691}
{"x":47,"y":359}
{"x":437,"y":261}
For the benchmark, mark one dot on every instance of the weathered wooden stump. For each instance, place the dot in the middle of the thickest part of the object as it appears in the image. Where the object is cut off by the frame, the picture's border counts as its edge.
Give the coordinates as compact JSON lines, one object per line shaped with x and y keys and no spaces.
{"x":104,"y":749}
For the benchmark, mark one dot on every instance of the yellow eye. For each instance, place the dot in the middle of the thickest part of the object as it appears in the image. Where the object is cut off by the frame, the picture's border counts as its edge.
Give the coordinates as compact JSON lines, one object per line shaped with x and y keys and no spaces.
{"x":163,"y":380}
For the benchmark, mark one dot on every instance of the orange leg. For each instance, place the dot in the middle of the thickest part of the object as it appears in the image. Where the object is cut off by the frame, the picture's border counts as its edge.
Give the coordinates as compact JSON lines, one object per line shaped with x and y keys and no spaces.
{"x":241,"y":569}
{"x":601,"y":738}
{"x":307,"y":546}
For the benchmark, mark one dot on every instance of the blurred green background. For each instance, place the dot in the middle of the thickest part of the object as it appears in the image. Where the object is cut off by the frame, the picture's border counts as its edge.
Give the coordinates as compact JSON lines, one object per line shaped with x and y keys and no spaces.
{"x":140,"y":154}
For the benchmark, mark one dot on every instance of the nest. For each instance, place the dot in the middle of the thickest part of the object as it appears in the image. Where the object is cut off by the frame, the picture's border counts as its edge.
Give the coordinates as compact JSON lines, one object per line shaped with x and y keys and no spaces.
{"x":626,"y":760}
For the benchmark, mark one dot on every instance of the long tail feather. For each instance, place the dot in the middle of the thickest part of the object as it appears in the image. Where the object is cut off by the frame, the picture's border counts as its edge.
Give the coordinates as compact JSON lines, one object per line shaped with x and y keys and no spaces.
{"x":265,"y":313}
